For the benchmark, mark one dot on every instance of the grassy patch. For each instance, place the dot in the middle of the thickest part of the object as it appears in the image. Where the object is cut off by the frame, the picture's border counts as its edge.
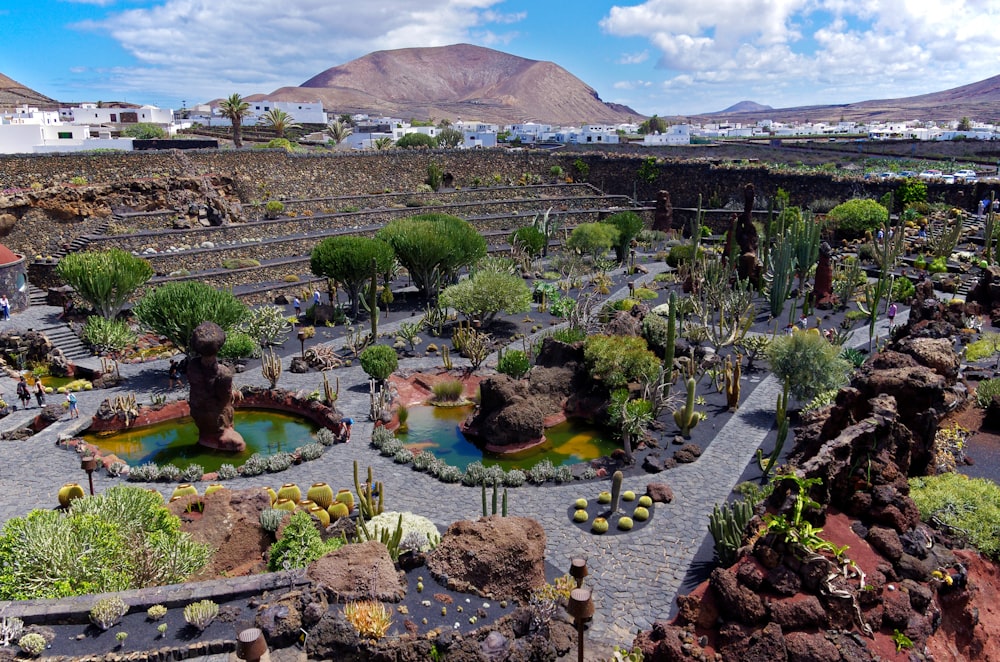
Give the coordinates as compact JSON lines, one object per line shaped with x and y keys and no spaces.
{"x":970,"y":506}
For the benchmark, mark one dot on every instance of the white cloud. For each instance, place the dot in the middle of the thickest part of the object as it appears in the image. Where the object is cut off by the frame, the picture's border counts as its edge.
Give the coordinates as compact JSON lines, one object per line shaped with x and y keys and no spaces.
{"x":634,"y":58}
{"x":631,"y":84}
{"x":210,"y":48}
{"x":795,"y":50}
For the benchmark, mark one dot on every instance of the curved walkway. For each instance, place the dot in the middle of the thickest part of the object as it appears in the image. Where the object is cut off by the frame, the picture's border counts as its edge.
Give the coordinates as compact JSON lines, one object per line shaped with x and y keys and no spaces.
{"x":635,"y":577}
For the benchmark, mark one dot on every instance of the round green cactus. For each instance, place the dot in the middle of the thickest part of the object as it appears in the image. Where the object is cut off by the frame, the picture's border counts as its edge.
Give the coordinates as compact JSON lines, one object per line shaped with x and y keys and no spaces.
{"x":628,"y":495}
{"x":625,"y":523}
{"x":641,"y":514}
{"x":580,"y":515}
{"x":600,"y":525}
{"x":645,"y":501}
{"x":580,"y":503}
{"x":604,"y":497}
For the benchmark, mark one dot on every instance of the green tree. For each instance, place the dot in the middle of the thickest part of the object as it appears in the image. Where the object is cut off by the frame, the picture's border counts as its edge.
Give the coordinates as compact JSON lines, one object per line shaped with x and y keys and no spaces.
{"x":809,"y":362}
{"x":629,"y":225}
{"x":105,"y":279}
{"x":338,"y":131}
{"x":648,"y":170}
{"x":379,"y":361}
{"x":416,"y":140}
{"x":382,"y":144}
{"x":618,"y":360}
{"x":348,"y":261}
{"x":174,"y":310}
{"x":855,"y":217}
{"x":594,"y":239}
{"x":144,"y":131}
{"x":433,"y":247}
{"x":911,"y":190}
{"x":965,"y":124}
{"x":654,"y":124}
{"x":280,"y":121}
{"x":486,"y":294}
{"x":450,"y":137}
{"x":530,"y":238}
{"x":235,"y":109}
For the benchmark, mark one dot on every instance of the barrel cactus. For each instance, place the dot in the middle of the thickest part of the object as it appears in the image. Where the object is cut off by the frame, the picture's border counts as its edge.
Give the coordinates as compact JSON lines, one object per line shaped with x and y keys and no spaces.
{"x":625,"y":523}
{"x":272,"y":494}
{"x":214,"y":487}
{"x":580,"y":516}
{"x":346,"y":497}
{"x":68,"y":492}
{"x":600,"y":525}
{"x":641,"y":514}
{"x":321,"y":494}
{"x":604,"y":497}
{"x":645,"y":501}
{"x":321,"y":515}
{"x":290,"y":491}
{"x":285,"y":504}
{"x":581,"y":503}
{"x":337,"y":510}
{"x":628,"y":495}
{"x":184,"y":489}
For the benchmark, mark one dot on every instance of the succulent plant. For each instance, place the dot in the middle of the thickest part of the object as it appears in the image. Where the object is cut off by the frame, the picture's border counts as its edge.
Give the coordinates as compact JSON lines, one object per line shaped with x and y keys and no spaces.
{"x":213,"y":488}
{"x":169,"y":473}
{"x":321,"y":515}
{"x":285,"y":504}
{"x":450,"y":474}
{"x":162,"y":629}
{"x":201,"y":614}
{"x":310,"y":452}
{"x":600,"y":525}
{"x":326,"y":437}
{"x":279,"y":462}
{"x":625,"y":523}
{"x":290,"y":491}
{"x":337,"y":510}
{"x":590,"y":473}
{"x":270,"y":518}
{"x":254,"y":466}
{"x":580,"y":516}
{"x":580,"y":503}
{"x":227,"y":472}
{"x":183,"y":490}
{"x":321,"y":494}
{"x":604,"y":497}
{"x":108,"y":611}
{"x":32,"y":643}
{"x":514,"y":478}
{"x":645,"y":501}
{"x":628,"y":495}
{"x":193,"y":472}
{"x":144,"y":473}
{"x":345,"y":497}
{"x":68,"y":492}
{"x":641,"y":514}
{"x":156,"y":612}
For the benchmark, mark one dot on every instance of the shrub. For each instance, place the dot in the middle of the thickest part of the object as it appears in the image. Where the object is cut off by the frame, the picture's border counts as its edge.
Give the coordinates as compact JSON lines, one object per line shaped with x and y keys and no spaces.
{"x":530,"y":238}
{"x":125,"y":535}
{"x":239,"y":345}
{"x":542,"y":471}
{"x":964,"y":504}
{"x":450,"y":474}
{"x":810,"y":363}
{"x":629,"y":225}
{"x":279,"y":462}
{"x":227,"y":472}
{"x":379,"y":361}
{"x":448,"y":390}
{"x":32,"y":643}
{"x":310,"y":452}
{"x":273,"y":208}
{"x":300,"y":545}
{"x":381,"y":435}
{"x":514,"y":478}
{"x":618,"y":360}
{"x":855,"y":217}
{"x":903,"y":290}
{"x":266,"y":325}
{"x":514,"y":363}
{"x":486,"y":294}
{"x":412,"y":140}
{"x":169,"y":473}
{"x":107,"y":335}
{"x":175,"y":309}
{"x":654,"y":330}
{"x":105,"y":279}
{"x":348,"y":260}
{"x":682,"y":253}
{"x":985,"y":390}
{"x":569,"y":334}
{"x":593,"y":239}
{"x":240,"y":263}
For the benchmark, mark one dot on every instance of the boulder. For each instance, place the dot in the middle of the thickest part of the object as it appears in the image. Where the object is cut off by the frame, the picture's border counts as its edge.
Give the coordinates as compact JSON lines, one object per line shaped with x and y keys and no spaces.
{"x":659,"y":492}
{"x":736,"y":602}
{"x":811,"y":647}
{"x":494,"y":557}
{"x":357,"y":572}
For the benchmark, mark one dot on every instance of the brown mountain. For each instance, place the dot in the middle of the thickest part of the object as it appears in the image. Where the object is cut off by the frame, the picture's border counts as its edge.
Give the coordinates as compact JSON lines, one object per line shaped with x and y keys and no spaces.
{"x":462,"y":80}
{"x":980,"y":101}
{"x":14,"y":94}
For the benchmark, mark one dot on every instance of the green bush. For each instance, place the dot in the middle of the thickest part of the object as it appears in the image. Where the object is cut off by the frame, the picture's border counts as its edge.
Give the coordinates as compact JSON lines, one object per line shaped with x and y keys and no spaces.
{"x":273,"y":208}
{"x":448,"y":390}
{"x":938,"y":265}
{"x":144,"y":131}
{"x":810,"y":363}
{"x":594,"y":239}
{"x":107,"y":335}
{"x":985,"y":390}
{"x":379,"y":361}
{"x":514,"y":363}
{"x":682,"y":253}
{"x":240,"y":263}
{"x":300,"y":544}
{"x":569,"y":335}
{"x":629,"y":225}
{"x":654,"y":330}
{"x":987,"y":346}
{"x":105,"y":279}
{"x":618,"y":360}
{"x":348,"y":261}
{"x":239,"y":345}
{"x":123,"y":539}
{"x":174,"y":310}
{"x":416,"y":140}
{"x":530,"y":238}
{"x":903,"y":290}
{"x":486,"y":294}
{"x":965,"y":504}
{"x":855,"y":217}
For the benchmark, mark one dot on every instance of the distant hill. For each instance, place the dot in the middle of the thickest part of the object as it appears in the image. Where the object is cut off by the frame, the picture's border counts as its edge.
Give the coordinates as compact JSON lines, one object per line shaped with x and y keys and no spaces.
{"x":746,"y":107}
{"x":14,"y":94}
{"x":458,"y":81}
{"x":980,"y":101}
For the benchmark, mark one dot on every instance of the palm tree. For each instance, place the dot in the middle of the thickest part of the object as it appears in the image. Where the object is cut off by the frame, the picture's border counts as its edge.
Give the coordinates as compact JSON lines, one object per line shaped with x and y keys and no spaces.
{"x":280,"y":121}
{"x":338,"y":131}
{"x":235,"y":109}
{"x":383,"y":143}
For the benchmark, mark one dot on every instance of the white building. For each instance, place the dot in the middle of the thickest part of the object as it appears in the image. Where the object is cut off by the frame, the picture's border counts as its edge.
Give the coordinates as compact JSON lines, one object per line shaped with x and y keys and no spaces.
{"x":676,"y":134}
{"x":48,"y":138}
{"x":302,"y":112}
{"x":89,"y":113}
{"x":28,"y":115}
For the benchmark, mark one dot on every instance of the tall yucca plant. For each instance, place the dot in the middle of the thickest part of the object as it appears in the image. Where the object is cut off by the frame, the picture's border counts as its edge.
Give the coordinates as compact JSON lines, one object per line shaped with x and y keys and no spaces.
{"x":105,"y":279}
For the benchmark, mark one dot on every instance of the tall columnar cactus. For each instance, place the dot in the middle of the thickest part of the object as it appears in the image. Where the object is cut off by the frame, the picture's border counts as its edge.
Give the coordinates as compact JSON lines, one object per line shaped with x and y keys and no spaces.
{"x":780,"y":277}
{"x":686,"y":417}
{"x":727,"y":524}
{"x":270,"y":367}
{"x":696,"y":232}
{"x":804,"y":235}
{"x":373,"y":300}
{"x":668,"y":351}
{"x":733,"y":372}
{"x":367,"y":505}
{"x":989,"y":229}
{"x":496,"y":501}
{"x":781,"y":416}
{"x":616,"y":490}
{"x":330,"y":394}
{"x":446,"y":357}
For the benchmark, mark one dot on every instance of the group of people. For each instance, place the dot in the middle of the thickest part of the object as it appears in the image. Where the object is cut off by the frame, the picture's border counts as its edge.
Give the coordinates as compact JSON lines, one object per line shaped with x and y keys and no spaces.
{"x":24,"y":395}
{"x":297,"y":304}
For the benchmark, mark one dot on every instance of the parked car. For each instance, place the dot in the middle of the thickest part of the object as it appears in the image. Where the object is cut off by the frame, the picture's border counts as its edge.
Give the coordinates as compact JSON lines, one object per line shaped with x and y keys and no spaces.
{"x":906,"y":174}
{"x":930,"y":174}
{"x":965,"y":175}
{"x":948,"y":179}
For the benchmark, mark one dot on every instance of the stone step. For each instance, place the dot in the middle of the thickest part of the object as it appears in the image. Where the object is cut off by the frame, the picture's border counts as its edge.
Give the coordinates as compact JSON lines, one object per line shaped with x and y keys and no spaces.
{"x":17,"y":419}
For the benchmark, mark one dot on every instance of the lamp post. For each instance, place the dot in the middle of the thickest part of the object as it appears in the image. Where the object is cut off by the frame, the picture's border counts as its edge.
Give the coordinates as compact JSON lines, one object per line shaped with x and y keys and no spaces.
{"x":250,"y":645}
{"x":578,"y":570}
{"x":581,"y":608}
{"x":302,"y":342}
{"x":89,"y":464}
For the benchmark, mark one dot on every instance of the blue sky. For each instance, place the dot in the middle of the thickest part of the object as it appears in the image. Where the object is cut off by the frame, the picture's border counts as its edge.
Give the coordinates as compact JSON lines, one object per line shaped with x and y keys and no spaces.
{"x":670,"y":57}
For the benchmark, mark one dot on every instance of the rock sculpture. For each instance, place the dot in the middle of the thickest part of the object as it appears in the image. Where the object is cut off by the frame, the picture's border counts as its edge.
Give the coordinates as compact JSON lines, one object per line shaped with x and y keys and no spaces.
{"x":824,"y":279}
{"x":211,"y":395}
{"x":663,"y":217}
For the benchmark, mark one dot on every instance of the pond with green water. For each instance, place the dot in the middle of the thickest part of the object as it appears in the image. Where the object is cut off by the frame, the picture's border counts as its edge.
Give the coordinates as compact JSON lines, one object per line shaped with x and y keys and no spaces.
{"x":176,"y":441}
{"x":437,"y":429}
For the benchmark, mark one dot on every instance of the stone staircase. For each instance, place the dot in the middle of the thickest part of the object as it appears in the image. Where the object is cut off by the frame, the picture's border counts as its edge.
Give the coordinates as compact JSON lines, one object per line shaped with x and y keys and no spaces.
{"x":63,"y":338}
{"x":37,"y":296}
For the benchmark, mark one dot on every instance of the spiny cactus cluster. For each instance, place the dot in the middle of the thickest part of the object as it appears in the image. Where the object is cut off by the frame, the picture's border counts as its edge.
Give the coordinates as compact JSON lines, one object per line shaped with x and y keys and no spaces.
{"x":107,"y":612}
{"x":156,"y":612}
{"x":270,"y":519}
{"x":32,"y":643}
{"x":144,"y":473}
{"x":193,"y":472}
{"x":279,"y":462}
{"x":686,"y":417}
{"x":10,"y":629}
{"x":727,"y":524}
{"x":201,"y":614}
{"x":310,"y":452}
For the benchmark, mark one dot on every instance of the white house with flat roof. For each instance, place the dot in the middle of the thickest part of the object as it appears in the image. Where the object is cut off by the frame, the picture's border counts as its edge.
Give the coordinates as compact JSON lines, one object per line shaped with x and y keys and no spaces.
{"x":48,"y":138}
{"x":302,"y":112}
{"x":676,"y":134}
{"x":89,"y":113}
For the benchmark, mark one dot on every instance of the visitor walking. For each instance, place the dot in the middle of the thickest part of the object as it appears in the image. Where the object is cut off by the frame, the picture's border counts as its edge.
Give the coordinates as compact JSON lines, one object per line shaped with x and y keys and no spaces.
{"x":173,"y":374}
{"x":39,"y":392}
{"x":891,"y":313}
{"x":297,"y":305}
{"x":4,"y":307}
{"x":22,"y":392}
{"x":71,"y":399}
{"x":316,"y":298}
